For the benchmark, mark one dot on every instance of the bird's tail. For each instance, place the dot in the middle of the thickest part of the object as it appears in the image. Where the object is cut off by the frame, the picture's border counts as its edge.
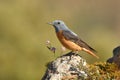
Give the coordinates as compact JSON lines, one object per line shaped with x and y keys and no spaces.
{"x":90,"y":52}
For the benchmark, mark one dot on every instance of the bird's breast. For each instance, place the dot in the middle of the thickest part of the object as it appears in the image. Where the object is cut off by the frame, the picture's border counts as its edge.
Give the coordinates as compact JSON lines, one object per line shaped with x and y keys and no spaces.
{"x":67,"y":43}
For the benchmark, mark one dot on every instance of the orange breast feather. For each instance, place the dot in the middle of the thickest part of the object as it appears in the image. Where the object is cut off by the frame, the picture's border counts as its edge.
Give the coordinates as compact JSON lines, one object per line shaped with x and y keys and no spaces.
{"x":67,"y":43}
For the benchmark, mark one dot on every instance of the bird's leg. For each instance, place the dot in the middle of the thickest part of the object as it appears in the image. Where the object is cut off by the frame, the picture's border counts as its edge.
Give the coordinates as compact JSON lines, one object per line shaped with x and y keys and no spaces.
{"x":75,"y":52}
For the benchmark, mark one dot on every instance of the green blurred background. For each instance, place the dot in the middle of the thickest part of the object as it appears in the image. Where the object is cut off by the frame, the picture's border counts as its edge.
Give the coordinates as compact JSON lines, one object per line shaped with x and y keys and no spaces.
{"x":23,"y":32}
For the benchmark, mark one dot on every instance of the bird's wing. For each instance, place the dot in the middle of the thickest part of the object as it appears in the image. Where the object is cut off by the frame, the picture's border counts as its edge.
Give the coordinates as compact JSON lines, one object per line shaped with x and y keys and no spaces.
{"x":69,"y":35}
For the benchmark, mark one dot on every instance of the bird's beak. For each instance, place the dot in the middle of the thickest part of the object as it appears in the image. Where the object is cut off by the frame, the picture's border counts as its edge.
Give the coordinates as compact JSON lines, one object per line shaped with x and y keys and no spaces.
{"x":50,"y":23}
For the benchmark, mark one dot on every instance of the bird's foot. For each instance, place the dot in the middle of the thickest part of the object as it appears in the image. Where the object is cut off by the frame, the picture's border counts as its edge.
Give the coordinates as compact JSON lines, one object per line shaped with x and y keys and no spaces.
{"x":74,"y":52}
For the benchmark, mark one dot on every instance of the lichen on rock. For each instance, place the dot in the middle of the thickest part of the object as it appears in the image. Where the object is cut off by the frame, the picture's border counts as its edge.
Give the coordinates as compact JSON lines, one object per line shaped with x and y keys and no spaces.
{"x":72,"y":66}
{"x":68,"y":66}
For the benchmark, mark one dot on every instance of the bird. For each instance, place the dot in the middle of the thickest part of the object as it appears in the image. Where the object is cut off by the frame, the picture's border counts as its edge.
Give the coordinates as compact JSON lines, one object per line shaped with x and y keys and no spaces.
{"x":70,"y":40}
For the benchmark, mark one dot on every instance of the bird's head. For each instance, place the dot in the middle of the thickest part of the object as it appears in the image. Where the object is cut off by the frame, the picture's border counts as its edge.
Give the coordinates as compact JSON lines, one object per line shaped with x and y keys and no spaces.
{"x":59,"y":25}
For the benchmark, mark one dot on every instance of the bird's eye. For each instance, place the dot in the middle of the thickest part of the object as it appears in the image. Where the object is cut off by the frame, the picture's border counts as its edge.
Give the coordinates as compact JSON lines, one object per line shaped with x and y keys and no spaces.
{"x":58,"y":22}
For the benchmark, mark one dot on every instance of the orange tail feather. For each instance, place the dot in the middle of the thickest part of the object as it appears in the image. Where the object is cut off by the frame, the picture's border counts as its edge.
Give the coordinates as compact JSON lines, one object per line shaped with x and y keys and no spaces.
{"x":91,"y":53}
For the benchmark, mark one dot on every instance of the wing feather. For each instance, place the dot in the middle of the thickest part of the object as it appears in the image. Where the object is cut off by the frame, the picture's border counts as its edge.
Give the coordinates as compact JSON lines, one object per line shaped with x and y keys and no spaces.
{"x":69,"y":35}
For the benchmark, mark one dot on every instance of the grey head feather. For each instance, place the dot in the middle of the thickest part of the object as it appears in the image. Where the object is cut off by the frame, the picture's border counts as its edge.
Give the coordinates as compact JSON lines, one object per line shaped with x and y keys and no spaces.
{"x":59,"y":25}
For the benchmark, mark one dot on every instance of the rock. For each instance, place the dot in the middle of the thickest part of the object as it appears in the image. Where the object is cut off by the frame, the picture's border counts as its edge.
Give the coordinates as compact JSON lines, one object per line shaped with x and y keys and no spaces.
{"x":116,"y":57}
{"x":67,"y":67}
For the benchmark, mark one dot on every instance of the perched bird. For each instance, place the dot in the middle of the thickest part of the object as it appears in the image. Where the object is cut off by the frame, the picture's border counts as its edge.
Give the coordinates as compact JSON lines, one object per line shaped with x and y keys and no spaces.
{"x":69,"y":39}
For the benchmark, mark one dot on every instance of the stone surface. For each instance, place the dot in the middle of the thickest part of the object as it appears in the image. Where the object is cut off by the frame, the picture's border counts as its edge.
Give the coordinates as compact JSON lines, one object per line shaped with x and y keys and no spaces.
{"x":116,"y":57}
{"x":67,"y":67}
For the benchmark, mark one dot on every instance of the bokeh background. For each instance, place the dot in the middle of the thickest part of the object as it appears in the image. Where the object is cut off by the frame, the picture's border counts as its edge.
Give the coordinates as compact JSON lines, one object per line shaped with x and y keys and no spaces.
{"x":24,"y":32}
